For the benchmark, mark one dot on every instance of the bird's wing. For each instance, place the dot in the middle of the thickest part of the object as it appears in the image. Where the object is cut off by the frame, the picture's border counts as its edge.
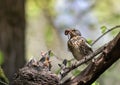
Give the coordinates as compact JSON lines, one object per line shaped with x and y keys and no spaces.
{"x":84,"y":47}
{"x":74,"y":43}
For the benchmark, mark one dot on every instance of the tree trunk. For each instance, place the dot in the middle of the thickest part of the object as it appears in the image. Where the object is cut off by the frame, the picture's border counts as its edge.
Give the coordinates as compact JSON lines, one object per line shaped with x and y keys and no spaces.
{"x":12,"y":35}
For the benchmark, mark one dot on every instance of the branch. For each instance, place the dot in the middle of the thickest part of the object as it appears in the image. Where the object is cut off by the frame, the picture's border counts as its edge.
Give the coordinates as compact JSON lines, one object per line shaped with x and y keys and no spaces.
{"x":105,"y":34}
{"x":109,"y":56}
{"x":66,"y":70}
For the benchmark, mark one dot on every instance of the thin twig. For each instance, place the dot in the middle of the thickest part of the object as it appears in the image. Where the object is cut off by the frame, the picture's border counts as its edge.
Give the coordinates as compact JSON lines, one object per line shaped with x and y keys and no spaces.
{"x":105,"y":34}
{"x":84,"y":60}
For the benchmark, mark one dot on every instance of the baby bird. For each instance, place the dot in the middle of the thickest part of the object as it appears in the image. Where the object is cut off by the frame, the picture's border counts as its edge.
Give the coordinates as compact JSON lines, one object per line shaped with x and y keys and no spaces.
{"x":77,"y":44}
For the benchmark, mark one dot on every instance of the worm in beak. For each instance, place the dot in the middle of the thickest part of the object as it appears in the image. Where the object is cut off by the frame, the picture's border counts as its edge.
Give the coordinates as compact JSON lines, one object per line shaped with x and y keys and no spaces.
{"x":67,"y":32}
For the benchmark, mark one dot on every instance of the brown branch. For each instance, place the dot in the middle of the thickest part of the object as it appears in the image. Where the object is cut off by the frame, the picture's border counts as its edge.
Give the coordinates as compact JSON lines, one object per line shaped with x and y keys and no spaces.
{"x":109,"y":56}
{"x":66,"y":70}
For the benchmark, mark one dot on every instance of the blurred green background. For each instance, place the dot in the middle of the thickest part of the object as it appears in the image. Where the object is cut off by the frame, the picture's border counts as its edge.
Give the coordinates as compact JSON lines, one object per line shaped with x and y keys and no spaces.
{"x":46,"y":21}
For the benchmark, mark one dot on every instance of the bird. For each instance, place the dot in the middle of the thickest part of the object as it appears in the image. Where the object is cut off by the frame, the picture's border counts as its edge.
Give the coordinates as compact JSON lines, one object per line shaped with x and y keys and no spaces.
{"x":46,"y":59}
{"x":77,"y":44}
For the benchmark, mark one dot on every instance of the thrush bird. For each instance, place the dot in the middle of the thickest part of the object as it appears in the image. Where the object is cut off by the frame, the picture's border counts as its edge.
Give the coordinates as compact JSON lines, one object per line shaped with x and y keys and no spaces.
{"x":77,"y":44}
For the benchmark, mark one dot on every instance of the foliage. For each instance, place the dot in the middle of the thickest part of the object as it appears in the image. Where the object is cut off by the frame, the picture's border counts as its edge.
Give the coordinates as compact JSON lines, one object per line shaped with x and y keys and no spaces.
{"x":58,"y":71}
{"x":47,"y":5}
{"x":32,"y":9}
{"x":3,"y":78}
{"x":103,"y":29}
{"x":1,"y":58}
{"x":69,"y":63}
{"x":76,"y":72}
{"x":110,"y":11}
{"x":89,"y":41}
{"x":51,"y":54}
{"x":95,"y":83}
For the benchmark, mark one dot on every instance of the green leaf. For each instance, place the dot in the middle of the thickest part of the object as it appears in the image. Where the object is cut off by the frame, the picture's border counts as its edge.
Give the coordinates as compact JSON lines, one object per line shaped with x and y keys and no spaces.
{"x":52,"y":54}
{"x":58,"y":71}
{"x":69,"y":63}
{"x":95,"y":83}
{"x":3,"y":78}
{"x":89,"y":41}
{"x":76,"y":72}
{"x":1,"y":58}
{"x":103,"y":29}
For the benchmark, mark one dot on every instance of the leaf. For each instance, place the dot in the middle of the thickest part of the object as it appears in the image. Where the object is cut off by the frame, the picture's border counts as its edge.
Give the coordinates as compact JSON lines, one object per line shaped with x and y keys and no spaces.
{"x":2,"y":76}
{"x":51,"y":54}
{"x":103,"y":29}
{"x":76,"y":72}
{"x":1,"y":58}
{"x":69,"y":63}
{"x":95,"y":83}
{"x":58,"y":71}
{"x":89,"y":41}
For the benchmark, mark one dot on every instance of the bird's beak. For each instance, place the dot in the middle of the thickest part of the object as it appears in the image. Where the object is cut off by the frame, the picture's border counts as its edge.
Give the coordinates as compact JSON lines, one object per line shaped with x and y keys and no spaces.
{"x":68,"y":33}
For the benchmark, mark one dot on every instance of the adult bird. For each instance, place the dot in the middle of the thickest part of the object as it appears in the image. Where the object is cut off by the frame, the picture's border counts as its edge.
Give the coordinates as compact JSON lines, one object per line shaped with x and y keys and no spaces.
{"x":77,"y":44}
